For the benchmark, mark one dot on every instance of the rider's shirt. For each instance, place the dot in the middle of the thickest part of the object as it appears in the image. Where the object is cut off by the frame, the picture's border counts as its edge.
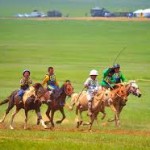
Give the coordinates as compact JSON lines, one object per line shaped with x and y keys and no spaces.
{"x":25,"y":83}
{"x":118,"y":77}
{"x":92,"y":85}
{"x":107,"y":79}
{"x":51,"y":82}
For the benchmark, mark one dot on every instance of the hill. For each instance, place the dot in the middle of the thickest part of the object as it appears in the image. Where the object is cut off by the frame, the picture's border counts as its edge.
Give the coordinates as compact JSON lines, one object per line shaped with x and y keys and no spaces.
{"x":68,"y":7}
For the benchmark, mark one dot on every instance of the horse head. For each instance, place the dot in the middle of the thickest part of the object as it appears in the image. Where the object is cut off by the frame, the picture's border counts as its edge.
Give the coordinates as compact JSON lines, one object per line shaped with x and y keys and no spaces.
{"x":39,"y":92}
{"x":134,"y":88}
{"x":119,"y":92}
{"x":68,"y":88}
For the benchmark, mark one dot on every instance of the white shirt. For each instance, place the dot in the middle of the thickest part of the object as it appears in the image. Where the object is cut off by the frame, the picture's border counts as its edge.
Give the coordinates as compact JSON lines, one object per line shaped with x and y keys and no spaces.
{"x":92,"y":85}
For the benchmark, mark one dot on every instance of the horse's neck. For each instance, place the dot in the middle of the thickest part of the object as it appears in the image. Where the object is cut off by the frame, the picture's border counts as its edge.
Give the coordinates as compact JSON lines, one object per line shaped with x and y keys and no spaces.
{"x":28,"y":93}
{"x":116,"y":91}
{"x":127,"y":87}
{"x":63,"y":97}
{"x":98,"y":99}
{"x":60,"y":90}
{"x":62,"y":94}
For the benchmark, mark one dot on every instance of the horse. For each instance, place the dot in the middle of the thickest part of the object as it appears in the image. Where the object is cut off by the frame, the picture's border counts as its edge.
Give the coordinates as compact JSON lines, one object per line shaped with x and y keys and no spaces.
{"x":126,"y":88}
{"x":32,"y":100}
{"x":117,"y":99}
{"x":57,"y":98}
{"x":82,"y":105}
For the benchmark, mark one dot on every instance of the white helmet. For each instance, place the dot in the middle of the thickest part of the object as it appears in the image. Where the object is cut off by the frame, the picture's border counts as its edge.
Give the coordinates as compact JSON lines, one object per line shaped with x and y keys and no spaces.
{"x":93,"y":72}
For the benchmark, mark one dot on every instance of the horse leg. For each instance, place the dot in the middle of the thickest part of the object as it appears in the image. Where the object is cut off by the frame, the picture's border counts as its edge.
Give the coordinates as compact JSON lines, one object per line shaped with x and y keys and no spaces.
{"x":47,"y":114}
{"x":119,"y":109}
{"x":77,"y":112}
{"x":10,"y":106}
{"x":40,"y":118}
{"x":63,"y":116}
{"x":104,"y":115}
{"x":79,"y":116}
{"x":116,"y":115}
{"x":102,"y":110}
{"x":26,"y":119}
{"x":92,"y":118}
{"x":71,"y":105}
{"x":12,"y":118}
{"x":52,"y":116}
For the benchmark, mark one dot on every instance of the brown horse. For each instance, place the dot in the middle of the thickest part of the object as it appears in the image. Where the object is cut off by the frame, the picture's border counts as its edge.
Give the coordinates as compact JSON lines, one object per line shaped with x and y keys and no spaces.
{"x":116,"y":99}
{"x":32,"y":100}
{"x":97,"y":104}
{"x":57,"y":97}
{"x":119,"y":102}
{"x":106,"y":99}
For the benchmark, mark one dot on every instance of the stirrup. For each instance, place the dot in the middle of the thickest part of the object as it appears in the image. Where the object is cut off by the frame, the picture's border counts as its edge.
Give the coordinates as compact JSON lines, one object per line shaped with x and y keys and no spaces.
{"x":20,"y":102}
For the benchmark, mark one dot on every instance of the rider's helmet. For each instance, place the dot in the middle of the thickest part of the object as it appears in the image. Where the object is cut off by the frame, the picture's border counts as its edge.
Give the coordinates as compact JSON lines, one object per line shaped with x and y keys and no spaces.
{"x":93,"y":73}
{"x":26,"y":70}
{"x":116,"y":66}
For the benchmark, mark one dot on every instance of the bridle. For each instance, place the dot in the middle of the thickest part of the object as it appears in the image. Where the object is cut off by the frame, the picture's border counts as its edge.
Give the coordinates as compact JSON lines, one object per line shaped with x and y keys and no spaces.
{"x":134,"y":89}
{"x":68,"y":89}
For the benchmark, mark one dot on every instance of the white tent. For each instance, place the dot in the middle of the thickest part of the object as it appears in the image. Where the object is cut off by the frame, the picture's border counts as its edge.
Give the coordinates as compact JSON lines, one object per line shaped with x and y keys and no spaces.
{"x":142,"y":13}
{"x":146,"y":12}
{"x":138,"y":13}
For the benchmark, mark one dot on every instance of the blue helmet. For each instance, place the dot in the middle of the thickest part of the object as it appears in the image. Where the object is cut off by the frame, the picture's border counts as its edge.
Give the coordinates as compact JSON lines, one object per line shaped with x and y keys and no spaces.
{"x":116,"y":66}
{"x":26,"y":70}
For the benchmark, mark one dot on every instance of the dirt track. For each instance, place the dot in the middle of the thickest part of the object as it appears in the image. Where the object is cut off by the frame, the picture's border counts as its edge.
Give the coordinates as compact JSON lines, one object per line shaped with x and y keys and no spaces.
{"x":115,"y":131}
{"x":98,"y":18}
{"x":86,"y":19}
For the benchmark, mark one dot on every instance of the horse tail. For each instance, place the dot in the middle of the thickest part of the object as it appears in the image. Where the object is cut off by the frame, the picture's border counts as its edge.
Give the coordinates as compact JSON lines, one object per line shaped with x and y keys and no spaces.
{"x":8,"y":98}
{"x":73,"y":100}
{"x":4,"y":101}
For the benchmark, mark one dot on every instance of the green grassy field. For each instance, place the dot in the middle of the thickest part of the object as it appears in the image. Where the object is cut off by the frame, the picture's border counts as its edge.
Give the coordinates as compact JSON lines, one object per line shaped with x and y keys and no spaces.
{"x":74,"y":48}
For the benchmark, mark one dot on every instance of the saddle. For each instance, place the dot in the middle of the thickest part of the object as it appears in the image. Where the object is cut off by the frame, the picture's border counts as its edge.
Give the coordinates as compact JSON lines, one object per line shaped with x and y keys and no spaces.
{"x":55,"y":94}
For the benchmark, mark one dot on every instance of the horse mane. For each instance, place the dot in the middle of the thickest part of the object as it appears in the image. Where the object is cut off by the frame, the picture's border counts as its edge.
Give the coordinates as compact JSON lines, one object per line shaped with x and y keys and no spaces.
{"x":28,"y":93}
{"x":67,"y":81}
{"x":116,"y":86}
{"x":60,"y":90}
{"x":31,"y":91}
{"x":37,"y":86}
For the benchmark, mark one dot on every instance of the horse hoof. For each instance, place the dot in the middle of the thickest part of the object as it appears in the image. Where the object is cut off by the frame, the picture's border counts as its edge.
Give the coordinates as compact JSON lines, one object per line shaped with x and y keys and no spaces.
{"x":47,"y":122}
{"x":70,"y":108}
{"x":11,"y":127}
{"x":111,"y":120}
{"x":90,"y":130}
{"x":78,"y":124}
{"x":86,"y":123}
{"x":81,"y":122}
{"x":1,"y":121}
{"x":46,"y":127}
{"x":38,"y":122}
{"x":58,"y":122}
{"x":25,"y":128}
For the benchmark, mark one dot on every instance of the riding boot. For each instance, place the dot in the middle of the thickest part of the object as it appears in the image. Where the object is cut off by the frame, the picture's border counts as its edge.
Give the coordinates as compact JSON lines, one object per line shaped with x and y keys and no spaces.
{"x":90,"y":108}
{"x":20,"y":99}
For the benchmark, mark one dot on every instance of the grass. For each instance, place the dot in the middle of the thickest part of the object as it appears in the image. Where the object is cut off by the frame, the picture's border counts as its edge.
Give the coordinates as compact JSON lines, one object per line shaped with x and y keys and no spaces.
{"x":55,"y":140}
{"x":74,"y":48}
